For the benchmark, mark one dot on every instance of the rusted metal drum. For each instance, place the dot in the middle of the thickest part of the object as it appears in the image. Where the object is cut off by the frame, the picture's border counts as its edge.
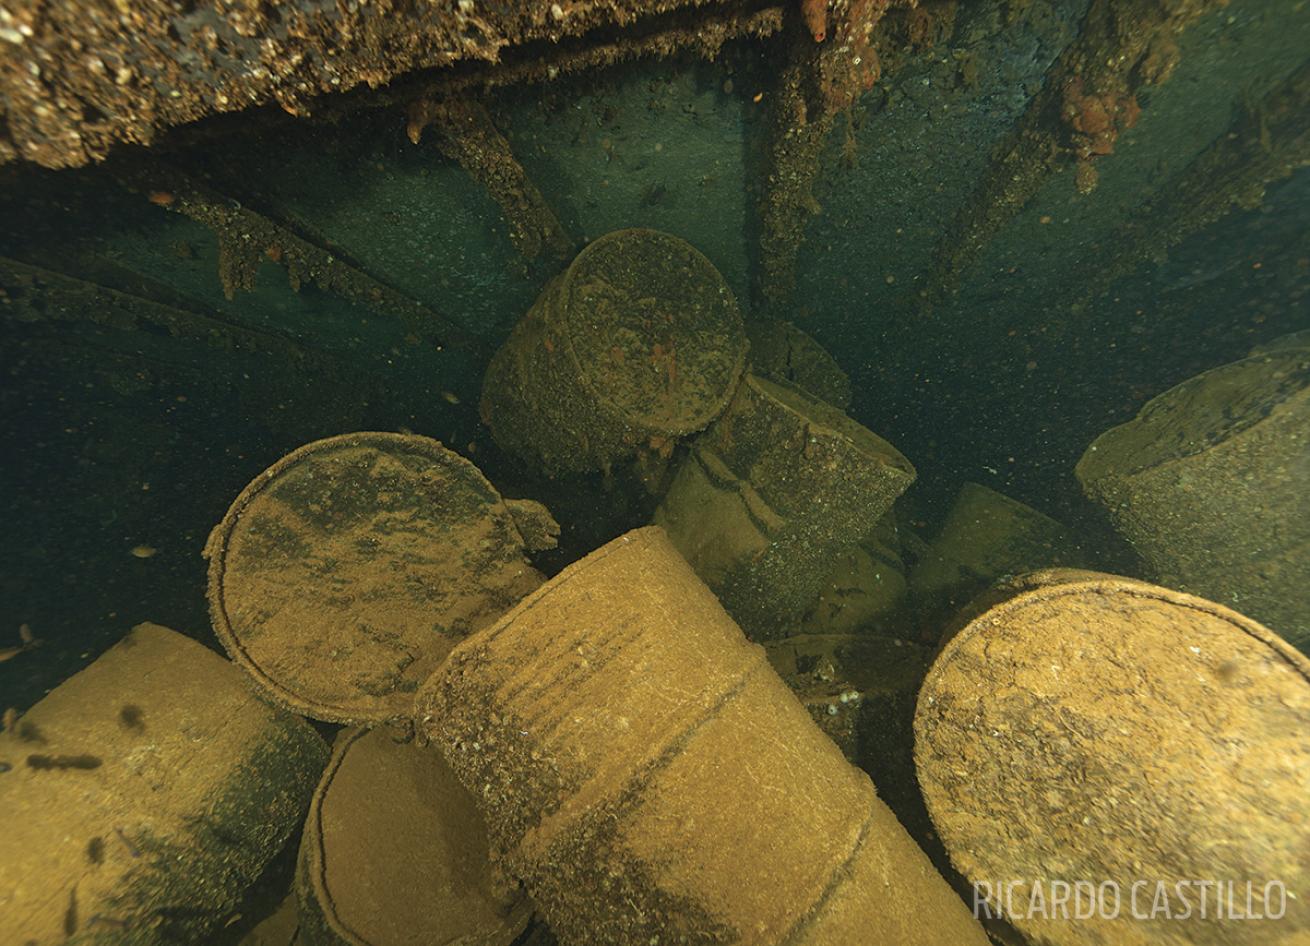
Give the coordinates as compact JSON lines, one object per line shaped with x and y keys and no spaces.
{"x":143,"y":797}
{"x":782,"y":352}
{"x":1209,"y":484}
{"x":639,"y":342}
{"x":986,"y":536}
{"x":1299,"y":339}
{"x":395,"y":852}
{"x":1100,"y":731}
{"x":860,"y":690}
{"x":342,"y":576}
{"x":866,"y":589}
{"x":650,"y":778}
{"x":771,"y":497}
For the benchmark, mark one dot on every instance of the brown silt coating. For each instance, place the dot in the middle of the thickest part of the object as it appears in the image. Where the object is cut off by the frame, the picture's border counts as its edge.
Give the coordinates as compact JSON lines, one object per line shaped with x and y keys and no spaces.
{"x":637,"y":343}
{"x":343,"y":575}
{"x":1208,"y":483}
{"x":117,"y":835}
{"x":772,"y":495}
{"x":649,"y":777}
{"x":1095,"y":728}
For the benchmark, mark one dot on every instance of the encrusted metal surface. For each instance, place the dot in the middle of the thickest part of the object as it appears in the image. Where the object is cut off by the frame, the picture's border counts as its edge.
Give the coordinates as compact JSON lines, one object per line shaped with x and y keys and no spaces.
{"x":76,"y":78}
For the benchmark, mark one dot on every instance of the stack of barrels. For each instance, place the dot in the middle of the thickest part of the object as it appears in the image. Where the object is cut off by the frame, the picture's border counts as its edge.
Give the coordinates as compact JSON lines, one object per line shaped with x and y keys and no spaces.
{"x":610,"y":750}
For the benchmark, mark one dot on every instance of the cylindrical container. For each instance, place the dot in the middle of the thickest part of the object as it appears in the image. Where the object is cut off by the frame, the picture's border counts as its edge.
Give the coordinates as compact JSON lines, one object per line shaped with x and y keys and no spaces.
{"x":342,"y":575}
{"x":860,"y":690}
{"x":144,"y":795}
{"x":1209,"y":484}
{"x":637,"y":343}
{"x":865,"y":591}
{"x":1291,"y":340}
{"x":986,"y":536}
{"x":1129,"y":739}
{"x":650,"y":779}
{"x":782,"y":352}
{"x":395,"y":852}
{"x":772,"y":495}
{"x":277,"y":929}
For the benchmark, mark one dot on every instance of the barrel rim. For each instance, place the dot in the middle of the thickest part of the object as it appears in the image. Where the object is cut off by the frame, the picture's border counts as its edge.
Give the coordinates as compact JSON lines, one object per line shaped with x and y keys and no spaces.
{"x":216,"y":547}
{"x":313,"y":855}
{"x":562,"y":288}
{"x":837,"y":420}
{"x":1103,"y":461}
{"x":1047,"y":584}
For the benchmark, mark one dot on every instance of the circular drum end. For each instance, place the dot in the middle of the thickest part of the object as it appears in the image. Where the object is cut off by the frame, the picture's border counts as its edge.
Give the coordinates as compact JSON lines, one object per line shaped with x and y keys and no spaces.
{"x":655,"y":330}
{"x":1097,"y":730}
{"x":342,"y":576}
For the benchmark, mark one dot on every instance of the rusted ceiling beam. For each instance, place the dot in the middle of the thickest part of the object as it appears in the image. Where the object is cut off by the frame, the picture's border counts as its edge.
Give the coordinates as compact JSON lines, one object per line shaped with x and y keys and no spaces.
{"x":247,"y":238}
{"x":1267,"y":141}
{"x":32,"y":294}
{"x":702,"y":34}
{"x":465,"y":133}
{"x":1088,"y":98}
{"x":832,"y":60}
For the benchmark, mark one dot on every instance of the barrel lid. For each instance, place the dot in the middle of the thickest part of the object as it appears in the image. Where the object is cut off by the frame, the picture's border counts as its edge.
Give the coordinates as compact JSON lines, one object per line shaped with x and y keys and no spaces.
{"x":1096,"y":728}
{"x":1198,"y":414}
{"x":781,"y":351}
{"x":654,"y":329}
{"x":343,"y":574}
{"x":821,"y":418}
{"x":395,"y":851}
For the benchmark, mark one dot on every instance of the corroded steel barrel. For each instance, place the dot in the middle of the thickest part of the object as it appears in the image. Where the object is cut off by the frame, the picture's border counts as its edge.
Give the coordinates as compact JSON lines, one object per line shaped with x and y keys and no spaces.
{"x":650,"y":778}
{"x":144,"y":795}
{"x":986,"y":535}
{"x":866,"y":589}
{"x":639,"y":342}
{"x":1088,"y":729}
{"x":1209,"y":484}
{"x":394,"y":852}
{"x":782,"y":352}
{"x":343,"y":574}
{"x":770,"y":498}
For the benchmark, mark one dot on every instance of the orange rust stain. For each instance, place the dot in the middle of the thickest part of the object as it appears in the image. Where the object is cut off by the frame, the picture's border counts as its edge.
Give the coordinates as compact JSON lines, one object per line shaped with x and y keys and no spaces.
{"x":662,"y":446}
{"x":815,"y":15}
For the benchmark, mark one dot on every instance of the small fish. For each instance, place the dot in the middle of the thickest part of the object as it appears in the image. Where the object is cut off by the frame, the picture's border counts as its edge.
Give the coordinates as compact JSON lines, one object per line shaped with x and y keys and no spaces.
{"x":144,"y":551}
{"x":48,"y":762}
{"x":132,"y":718}
{"x":70,"y":915}
{"x":131,"y":848}
{"x":29,"y":642}
{"x":449,"y":397}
